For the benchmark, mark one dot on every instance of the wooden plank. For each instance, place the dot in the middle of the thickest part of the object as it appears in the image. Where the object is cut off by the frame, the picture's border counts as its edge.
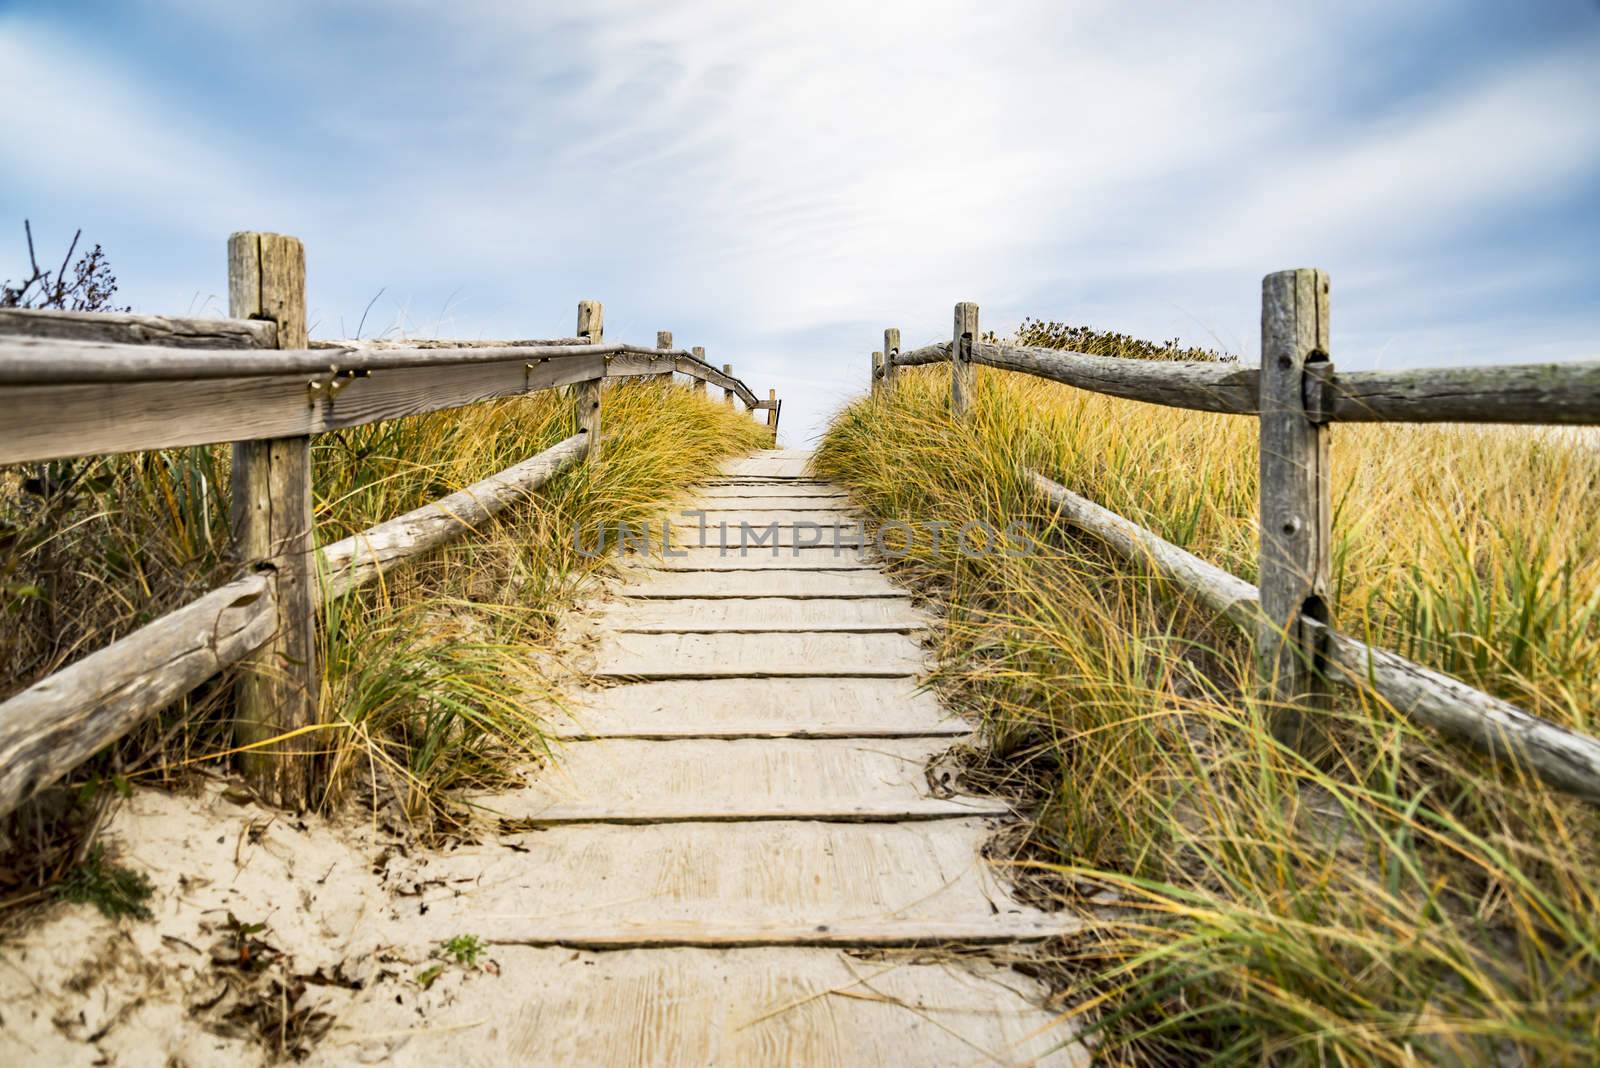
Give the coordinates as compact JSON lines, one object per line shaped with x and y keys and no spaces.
{"x":891,"y":353}
{"x":1564,"y":758}
{"x":758,"y":708}
{"x":875,"y":372}
{"x":689,"y":1008}
{"x":627,"y":781}
{"x":705,"y":531}
{"x":793,"y":558}
{"x":725,"y":655}
{"x":757,"y":614}
{"x":1206,"y":387}
{"x":746,"y":491}
{"x":36,"y":362}
{"x":727,"y":392}
{"x":885,"y":882}
{"x":124,"y":328}
{"x":1295,"y":505}
{"x":57,"y":723}
{"x":376,"y":551}
{"x":1548,"y":393}
{"x":47,"y":422}
{"x":965,"y":335}
{"x":380,"y":344}
{"x":280,"y":689}
{"x":721,"y":584}
{"x":699,"y":370}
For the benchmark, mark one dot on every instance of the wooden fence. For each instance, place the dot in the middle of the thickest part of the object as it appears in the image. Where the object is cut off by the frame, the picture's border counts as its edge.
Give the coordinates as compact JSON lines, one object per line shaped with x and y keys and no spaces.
{"x":1296,"y":394}
{"x":75,"y":384}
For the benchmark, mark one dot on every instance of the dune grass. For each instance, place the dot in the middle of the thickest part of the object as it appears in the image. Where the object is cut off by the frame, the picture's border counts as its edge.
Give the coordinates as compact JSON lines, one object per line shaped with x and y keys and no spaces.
{"x":1398,"y":901}
{"x":431,"y":679}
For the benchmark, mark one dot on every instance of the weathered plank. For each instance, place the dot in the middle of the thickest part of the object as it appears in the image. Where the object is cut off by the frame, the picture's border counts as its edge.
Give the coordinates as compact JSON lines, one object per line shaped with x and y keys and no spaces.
{"x":127,"y":329}
{"x":1296,"y":510}
{"x":848,"y":781}
{"x":753,"y":615}
{"x":721,"y":584}
{"x":35,"y":361}
{"x":1207,"y":387}
{"x":891,"y":353}
{"x":886,"y":882}
{"x":770,"y":463}
{"x":712,"y":530}
{"x":1565,"y":758}
{"x":688,"y":1008}
{"x":59,"y":722}
{"x":47,"y":422}
{"x":1547,"y":393}
{"x":725,"y":654}
{"x":363,"y":557}
{"x":279,"y":691}
{"x":758,"y":708}
{"x":764,"y":558}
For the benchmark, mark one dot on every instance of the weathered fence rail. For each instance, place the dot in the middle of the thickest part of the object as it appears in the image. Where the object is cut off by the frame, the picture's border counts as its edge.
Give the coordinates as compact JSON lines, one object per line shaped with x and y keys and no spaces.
{"x":76,"y":384}
{"x":1296,"y":393}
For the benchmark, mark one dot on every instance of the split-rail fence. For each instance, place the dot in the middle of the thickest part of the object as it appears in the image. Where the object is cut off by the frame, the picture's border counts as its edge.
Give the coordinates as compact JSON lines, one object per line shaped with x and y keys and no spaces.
{"x":81,"y":384}
{"x":1297,"y":394}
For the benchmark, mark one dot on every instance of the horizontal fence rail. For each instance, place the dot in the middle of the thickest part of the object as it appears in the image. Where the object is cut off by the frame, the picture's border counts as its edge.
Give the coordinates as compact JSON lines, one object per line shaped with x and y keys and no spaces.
{"x":1296,"y":393}
{"x":78,"y":384}
{"x":1547,"y":394}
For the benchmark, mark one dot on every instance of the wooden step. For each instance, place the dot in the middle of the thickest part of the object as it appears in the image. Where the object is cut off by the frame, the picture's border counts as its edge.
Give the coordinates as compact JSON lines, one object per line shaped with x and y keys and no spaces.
{"x":704,"y":585}
{"x":711,"y":534}
{"x":628,"y":781}
{"x":732,"y":884}
{"x":757,"y":708}
{"x":757,"y":656}
{"x":740,"y":491}
{"x":692,"y":1008}
{"x":759,"y":497}
{"x":770,"y":463}
{"x":763,"y":558}
{"x":755,"y":614}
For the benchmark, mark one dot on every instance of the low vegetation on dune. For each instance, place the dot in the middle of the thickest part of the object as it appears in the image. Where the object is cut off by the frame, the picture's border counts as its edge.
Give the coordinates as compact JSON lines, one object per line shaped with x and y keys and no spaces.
{"x":1395,"y":900}
{"x":431,"y":678}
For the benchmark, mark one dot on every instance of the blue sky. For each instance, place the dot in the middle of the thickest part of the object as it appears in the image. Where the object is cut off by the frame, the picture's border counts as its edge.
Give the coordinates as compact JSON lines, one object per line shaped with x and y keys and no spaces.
{"x":778,"y":183}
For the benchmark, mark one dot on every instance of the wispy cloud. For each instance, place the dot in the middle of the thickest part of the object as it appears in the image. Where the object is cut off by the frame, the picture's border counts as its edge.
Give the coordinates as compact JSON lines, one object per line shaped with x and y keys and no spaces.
{"x":779,"y":182}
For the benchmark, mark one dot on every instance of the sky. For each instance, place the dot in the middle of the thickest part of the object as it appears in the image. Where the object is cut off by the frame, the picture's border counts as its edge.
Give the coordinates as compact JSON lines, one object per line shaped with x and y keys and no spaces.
{"x":780,"y":182}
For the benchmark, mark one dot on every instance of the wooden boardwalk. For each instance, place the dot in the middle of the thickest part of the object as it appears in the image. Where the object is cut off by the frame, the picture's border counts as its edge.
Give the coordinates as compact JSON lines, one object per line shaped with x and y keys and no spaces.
{"x":737,"y":859}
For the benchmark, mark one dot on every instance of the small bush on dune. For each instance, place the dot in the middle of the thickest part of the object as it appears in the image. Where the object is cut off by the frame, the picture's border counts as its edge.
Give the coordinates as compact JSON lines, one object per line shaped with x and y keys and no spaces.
{"x":1402,"y":901}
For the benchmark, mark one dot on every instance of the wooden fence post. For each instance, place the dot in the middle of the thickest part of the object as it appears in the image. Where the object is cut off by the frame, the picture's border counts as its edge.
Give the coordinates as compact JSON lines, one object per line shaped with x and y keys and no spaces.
{"x":280,"y":688}
{"x":586,"y":396}
{"x":772,"y":415}
{"x":891,"y":349}
{"x":875,"y":372}
{"x":966,"y":332}
{"x":1295,"y":506}
{"x":727,"y":394}
{"x":699,"y":383}
{"x":664,"y":341}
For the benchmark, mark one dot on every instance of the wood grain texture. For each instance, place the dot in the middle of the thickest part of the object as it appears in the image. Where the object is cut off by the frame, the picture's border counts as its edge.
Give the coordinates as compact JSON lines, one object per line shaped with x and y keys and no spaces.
{"x":721,"y":584}
{"x":839,"y":780}
{"x":758,"y":708}
{"x":735,"y":654}
{"x":694,"y":882}
{"x":961,"y":343}
{"x":376,"y":551}
{"x":727,"y":392}
{"x":57,"y":723}
{"x":587,"y":395}
{"x":1564,"y":758}
{"x":37,"y":361}
{"x":692,"y":1008}
{"x":875,"y":372}
{"x":1206,"y":387}
{"x":774,"y":558}
{"x":926,"y":354}
{"x":1296,"y":510}
{"x":758,"y":614}
{"x":1548,"y":393}
{"x":280,"y":688}
{"x":123,"y":328}
{"x":699,"y":384}
{"x":89,"y":419}
{"x":891,"y":353}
